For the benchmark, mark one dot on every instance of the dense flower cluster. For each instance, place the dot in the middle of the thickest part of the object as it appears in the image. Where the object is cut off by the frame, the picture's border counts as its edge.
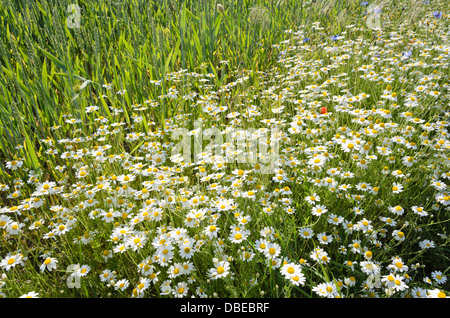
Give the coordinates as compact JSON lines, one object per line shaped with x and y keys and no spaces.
{"x":362,"y":169}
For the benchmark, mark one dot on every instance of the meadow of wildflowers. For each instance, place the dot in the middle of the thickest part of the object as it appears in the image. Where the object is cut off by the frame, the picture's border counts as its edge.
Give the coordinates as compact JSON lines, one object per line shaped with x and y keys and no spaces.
{"x":323,"y":174}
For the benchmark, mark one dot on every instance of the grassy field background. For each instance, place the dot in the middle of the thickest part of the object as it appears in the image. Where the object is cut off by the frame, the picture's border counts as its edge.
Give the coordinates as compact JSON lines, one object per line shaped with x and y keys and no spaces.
{"x":50,"y":69}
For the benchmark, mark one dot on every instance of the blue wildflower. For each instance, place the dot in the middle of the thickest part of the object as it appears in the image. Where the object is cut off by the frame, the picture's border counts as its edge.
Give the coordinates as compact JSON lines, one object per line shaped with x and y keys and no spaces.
{"x":377,"y":10}
{"x":407,"y":55}
{"x":437,"y":14}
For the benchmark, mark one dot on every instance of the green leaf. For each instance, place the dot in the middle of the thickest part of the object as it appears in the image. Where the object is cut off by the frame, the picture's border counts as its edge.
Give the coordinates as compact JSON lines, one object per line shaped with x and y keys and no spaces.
{"x":44,"y":74}
{"x":31,"y":153}
{"x":54,"y":59}
{"x":135,"y":148}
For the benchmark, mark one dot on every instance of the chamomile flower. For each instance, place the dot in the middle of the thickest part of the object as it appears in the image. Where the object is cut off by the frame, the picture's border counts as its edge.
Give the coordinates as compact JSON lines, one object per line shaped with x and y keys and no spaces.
{"x":247,"y":256}
{"x":261,"y":245}
{"x":327,"y":290}
{"x":320,"y":256}
{"x":398,"y":235}
{"x":293,"y":273}
{"x":350,"y":264}
{"x":426,"y":244}
{"x":438,"y":277}
{"x":31,"y":294}
{"x":272,"y":250}
{"x":220,"y":270}
{"x":211,"y":231}
{"x":180,"y":290}
{"x":107,"y":276}
{"x":11,"y":260}
{"x":48,"y":264}
{"x":318,"y":210}
{"x":324,"y":238}
{"x":419,"y":211}
{"x":238,"y":236}
{"x":14,"y":164}
{"x":394,"y":283}
{"x":125,"y":179}
{"x":398,"y":210}
{"x":436,"y":293}
{"x":398,"y":265}
{"x":175,"y":270}
{"x":143,"y":284}
{"x":306,"y":232}
{"x":313,"y":199}
{"x":82,"y":270}
{"x":370,"y":268}
{"x":121,"y":284}
{"x":186,"y":249}
{"x":350,"y":281}
{"x":397,"y":188}
{"x":136,"y":242}
{"x":418,"y":292}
